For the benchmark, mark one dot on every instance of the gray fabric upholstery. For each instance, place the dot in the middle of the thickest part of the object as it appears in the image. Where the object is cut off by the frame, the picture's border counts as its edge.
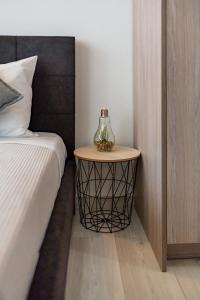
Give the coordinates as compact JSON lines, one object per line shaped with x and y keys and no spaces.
{"x":53,"y":107}
{"x":8,"y":95}
{"x":50,"y":277}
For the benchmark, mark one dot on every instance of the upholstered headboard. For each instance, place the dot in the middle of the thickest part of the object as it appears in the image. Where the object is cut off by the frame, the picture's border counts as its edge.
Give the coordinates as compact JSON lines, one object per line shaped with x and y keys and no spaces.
{"x":53,"y":107}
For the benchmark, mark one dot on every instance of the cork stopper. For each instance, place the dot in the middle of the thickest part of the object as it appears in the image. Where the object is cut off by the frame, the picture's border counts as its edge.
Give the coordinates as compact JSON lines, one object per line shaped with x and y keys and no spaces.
{"x":104,"y":112}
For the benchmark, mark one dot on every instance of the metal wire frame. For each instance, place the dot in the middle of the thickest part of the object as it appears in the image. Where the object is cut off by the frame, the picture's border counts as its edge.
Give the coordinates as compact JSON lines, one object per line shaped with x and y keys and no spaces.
{"x":106,"y":194}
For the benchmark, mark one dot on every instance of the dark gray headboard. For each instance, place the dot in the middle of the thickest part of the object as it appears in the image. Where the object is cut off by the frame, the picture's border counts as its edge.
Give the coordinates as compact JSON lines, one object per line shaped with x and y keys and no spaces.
{"x":53,"y":107}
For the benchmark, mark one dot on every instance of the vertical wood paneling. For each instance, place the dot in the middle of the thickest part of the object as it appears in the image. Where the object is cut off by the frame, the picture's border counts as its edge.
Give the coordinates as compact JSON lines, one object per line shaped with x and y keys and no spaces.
{"x":183,"y":119}
{"x":149,"y":120}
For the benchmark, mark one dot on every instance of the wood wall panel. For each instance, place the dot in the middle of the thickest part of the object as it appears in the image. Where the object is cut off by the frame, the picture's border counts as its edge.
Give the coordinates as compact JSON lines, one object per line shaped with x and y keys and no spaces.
{"x":183,"y":119}
{"x":149,"y":120}
{"x":175,"y":251}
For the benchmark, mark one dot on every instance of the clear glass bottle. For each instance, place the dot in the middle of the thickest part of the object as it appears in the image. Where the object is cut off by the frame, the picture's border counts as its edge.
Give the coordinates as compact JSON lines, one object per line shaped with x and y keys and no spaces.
{"x":104,"y":138}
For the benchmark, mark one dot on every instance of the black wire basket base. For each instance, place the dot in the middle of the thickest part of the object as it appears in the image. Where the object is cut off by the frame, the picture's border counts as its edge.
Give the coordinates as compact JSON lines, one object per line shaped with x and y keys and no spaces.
{"x":106,"y":194}
{"x":105,"y":221}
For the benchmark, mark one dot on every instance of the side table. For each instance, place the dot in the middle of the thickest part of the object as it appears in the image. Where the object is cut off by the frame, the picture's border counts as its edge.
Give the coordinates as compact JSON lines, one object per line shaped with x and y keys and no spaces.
{"x":105,"y":184}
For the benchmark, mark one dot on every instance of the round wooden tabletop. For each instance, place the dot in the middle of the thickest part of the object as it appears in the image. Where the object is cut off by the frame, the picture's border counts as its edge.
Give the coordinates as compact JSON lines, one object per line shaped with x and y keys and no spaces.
{"x":118,"y":153}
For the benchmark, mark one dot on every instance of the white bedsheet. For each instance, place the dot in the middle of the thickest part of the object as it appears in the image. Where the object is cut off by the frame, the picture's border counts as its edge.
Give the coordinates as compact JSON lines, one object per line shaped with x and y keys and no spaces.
{"x":30,"y":174}
{"x":43,"y":139}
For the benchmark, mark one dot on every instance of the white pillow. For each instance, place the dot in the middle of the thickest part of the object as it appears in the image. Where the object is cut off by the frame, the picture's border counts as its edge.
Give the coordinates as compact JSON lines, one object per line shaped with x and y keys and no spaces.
{"x":15,"y":119}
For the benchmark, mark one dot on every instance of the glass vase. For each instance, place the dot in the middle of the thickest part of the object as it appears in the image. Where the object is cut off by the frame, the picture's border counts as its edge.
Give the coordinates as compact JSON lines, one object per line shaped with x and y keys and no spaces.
{"x":104,"y":138}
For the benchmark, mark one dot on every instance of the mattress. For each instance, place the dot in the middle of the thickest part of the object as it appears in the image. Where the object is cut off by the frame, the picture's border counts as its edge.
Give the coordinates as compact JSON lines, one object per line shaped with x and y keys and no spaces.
{"x":31,"y":169}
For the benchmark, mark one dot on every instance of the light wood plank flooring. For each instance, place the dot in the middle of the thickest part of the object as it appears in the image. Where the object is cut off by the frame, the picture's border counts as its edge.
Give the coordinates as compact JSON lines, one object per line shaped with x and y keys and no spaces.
{"x":122,"y":266}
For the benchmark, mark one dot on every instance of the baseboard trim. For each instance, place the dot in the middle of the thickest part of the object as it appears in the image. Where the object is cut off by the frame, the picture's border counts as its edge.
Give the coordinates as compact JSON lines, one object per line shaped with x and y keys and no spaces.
{"x":175,"y":251}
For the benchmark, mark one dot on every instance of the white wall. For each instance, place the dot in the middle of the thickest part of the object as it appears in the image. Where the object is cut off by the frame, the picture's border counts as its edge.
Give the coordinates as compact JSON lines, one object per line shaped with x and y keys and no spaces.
{"x":103,"y":29}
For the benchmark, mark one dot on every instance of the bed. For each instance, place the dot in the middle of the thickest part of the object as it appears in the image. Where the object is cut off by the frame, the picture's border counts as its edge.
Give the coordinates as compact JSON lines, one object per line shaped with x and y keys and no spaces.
{"x":37,"y":176}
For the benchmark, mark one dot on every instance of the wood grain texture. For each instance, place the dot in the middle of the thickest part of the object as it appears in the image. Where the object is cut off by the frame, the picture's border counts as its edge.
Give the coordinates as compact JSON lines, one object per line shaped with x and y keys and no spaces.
{"x":183,"y":119}
{"x":183,"y":251}
{"x":119,"y":153}
{"x":149,"y":120}
{"x":188,"y":276}
{"x":122,"y":266}
{"x":93,"y":271}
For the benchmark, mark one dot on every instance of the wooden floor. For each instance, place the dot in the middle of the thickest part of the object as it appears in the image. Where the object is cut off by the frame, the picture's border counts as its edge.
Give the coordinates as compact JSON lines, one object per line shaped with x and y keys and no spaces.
{"x":122,"y":266}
